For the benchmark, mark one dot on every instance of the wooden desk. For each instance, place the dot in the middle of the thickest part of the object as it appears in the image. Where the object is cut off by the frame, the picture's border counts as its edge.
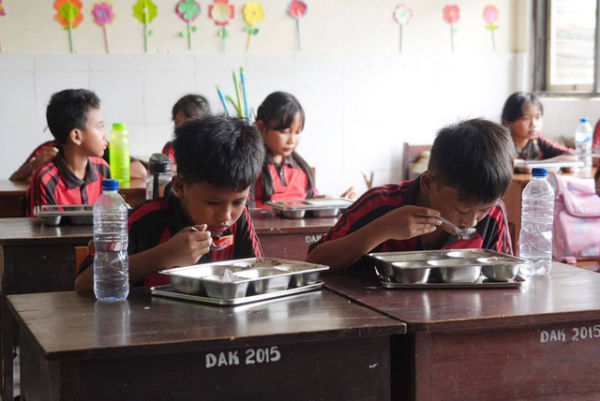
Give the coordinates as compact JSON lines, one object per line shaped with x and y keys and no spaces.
{"x":281,"y":237}
{"x":12,"y":196}
{"x":308,"y":347}
{"x":538,"y":342}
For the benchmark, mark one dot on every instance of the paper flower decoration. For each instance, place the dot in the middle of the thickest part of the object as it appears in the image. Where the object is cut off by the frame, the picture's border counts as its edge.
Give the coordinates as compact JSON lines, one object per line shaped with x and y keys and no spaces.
{"x":490,"y":16}
{"x":102,"y":13}
{"x":451,"y":14}
{"x":188,"y":11}
{"x":253,"y":14}
{"x":69,"y":15}
{"x":2,"y":13}
{"x":145,"y":11}
{"x":297,"y":9}
{"x":221,"y":12}
{"x":402,"y":14}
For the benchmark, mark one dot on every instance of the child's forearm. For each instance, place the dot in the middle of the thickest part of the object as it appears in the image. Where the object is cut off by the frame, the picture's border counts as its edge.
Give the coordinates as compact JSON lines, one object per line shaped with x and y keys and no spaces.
{"x":341,"y":253}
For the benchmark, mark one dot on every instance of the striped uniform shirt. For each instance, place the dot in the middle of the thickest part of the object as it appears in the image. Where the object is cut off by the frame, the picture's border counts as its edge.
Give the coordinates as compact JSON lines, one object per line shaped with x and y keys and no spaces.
{"x":290,"y":182}
{"x":541,"y":148}
{"x":54,"y":183}
{"x":154,"y":222}
{"x":169,"y":151}
{"x":492,"y":230}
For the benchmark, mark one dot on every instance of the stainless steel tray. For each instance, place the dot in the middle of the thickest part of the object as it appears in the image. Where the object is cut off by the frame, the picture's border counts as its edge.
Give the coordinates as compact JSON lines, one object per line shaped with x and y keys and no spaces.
{"x":242,"y":278}
{"x":54,"y":215}
{"x":448,"y":266}
{"x":549,"y":164}
{"x":314,"y":207}
{"x":481,"y":283}
{"x":169,"y":292}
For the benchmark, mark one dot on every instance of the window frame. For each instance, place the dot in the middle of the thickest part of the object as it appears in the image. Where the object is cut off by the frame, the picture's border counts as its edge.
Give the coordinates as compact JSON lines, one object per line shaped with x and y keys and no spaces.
{"x":541,"y":56}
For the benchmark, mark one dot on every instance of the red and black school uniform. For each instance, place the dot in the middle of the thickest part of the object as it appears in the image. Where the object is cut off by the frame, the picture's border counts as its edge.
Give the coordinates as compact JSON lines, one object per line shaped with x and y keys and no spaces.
{"x":541,"y":148}
{"x":155,"y":222}
{"x":289,"y":182}
{"x":54,"y":183}
{"x":169,"y":151}
{"x":36,"y":152}
{"x":492,"y":230}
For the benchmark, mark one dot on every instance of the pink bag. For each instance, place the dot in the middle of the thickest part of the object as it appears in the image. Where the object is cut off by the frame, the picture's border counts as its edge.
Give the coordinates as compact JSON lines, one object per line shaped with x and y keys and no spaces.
{"x":576,"y":229}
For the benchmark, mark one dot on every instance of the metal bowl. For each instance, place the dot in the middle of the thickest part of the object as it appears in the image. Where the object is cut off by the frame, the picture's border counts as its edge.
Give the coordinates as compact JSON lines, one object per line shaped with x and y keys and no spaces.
{"x":299,"y":278}
{"x":190,"y":280}
{"x":225,"y":289}
{"x":263,"y":280}
{"x":294,"y":214}
{"x":499,"y":269}
{"x":457,"y":270}
{"x":329,"y":212}
{"x":410,"y":272}
{"x":51,"y":220}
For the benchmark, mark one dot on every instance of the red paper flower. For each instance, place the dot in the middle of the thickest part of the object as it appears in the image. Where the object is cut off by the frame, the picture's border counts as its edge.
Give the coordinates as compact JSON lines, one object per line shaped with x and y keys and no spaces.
{"x":2,"y":12}
{"x":451,"y":13}
{"x":297,"y":8}
{"x":490,"y":14}
{"x":221,"y":12}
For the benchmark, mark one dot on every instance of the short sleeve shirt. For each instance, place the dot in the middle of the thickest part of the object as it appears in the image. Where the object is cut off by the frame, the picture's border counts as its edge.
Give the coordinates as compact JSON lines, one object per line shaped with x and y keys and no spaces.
{"x":169,"y":151}
{"x":541,"y":148}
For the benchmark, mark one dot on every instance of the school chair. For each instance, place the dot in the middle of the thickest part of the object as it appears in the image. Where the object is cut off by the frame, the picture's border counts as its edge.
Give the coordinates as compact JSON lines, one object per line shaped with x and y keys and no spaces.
{"x":81,"y":252}
{"x":410,"y":155}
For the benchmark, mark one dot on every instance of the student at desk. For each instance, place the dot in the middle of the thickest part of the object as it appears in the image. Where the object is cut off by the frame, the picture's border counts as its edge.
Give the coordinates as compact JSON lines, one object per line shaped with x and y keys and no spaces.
{"x":75,"y":174}
{"x":218,"y":159}
{"x":469,"y":170}
{"x":523,"y":114}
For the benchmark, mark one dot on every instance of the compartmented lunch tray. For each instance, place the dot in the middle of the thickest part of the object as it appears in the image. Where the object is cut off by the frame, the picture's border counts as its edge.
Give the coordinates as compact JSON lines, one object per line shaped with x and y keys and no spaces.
{"x":243,"y":278}
{"x":549,"y":164}
{"x":449,"y":268}
{"x":54,"y":215}
{"x":169,"y":292}
{"x":314,"y":207}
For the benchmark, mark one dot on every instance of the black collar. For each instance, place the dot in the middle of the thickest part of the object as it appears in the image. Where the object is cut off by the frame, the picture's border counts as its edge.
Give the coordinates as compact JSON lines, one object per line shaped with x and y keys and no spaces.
{"x":69,"y":177}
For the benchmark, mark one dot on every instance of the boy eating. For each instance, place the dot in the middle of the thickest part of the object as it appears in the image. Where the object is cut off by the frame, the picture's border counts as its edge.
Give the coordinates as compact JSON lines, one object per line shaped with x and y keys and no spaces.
{"x":470,"y":168}
{"x":218,"y":158}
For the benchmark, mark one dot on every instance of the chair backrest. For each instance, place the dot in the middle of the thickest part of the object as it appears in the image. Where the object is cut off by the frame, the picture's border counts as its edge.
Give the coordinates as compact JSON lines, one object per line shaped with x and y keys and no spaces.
{"x":410,"y":155}
{"x":81,"y":252}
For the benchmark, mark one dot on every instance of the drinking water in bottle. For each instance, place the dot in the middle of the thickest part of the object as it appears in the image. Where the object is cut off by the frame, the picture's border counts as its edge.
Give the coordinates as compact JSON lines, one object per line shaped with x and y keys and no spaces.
{"x":583,"y":147}
{"x":111,"y":260}
{"x":537,"y":215}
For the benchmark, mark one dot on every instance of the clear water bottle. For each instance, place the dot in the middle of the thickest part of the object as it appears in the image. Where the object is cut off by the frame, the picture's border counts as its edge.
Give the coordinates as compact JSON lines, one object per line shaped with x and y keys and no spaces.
{"x":118,"y":155}
{"x":583,"y":147}
{"x":537,"y":215}
{"x":111,"y":261}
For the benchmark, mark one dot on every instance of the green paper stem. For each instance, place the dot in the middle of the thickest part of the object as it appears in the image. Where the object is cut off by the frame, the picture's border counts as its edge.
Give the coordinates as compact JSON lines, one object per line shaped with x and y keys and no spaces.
{"x":223,"y":35}
{"x":452,"y":37}
{"x":237,"y":94}
{"x":70,"y":37}
{"x":145,"y":28}
{"x":493,"y":40}
{"x":249,"y":37}
{"x":189,"y":36}
{"x":400,"y":40}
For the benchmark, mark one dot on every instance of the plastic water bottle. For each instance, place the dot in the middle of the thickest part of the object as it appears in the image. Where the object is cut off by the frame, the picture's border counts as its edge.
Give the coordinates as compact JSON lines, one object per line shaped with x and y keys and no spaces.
{"x":583,"y":147}
{"x":119,"y":152}
{"x":160,"y":176}
{"x":111,"y":261}
{"x":537,"y":215}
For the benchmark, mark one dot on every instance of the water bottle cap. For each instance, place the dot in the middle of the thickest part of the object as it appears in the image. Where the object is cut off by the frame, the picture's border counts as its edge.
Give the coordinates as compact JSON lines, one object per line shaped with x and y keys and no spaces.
{"x":119,"y":126}
{"x":584,"y":120}
{"x":110,"y":185}
{"x":539,"y":172}
{"x":159,"y":163}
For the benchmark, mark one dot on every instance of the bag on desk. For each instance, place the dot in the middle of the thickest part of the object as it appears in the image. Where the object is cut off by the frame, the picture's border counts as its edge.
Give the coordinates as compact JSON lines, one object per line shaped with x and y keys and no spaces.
{"x":576,"y":229}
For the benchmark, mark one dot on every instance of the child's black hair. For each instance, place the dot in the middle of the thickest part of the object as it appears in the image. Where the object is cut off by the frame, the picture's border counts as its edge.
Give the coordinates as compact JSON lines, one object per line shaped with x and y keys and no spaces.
{"x":277,"y":112}
{"x":192,"y":106}
{"x":516,"y":103}
{"x":222,"y":151}
{"x":475,"y":157}
{"x":67,"y":110}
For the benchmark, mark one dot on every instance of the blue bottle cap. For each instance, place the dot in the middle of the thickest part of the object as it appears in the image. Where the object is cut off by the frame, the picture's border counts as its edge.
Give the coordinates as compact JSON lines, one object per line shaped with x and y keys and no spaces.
{"x":110,"y":185}
{"x":539,"y":172}
{"x":584,"y":120}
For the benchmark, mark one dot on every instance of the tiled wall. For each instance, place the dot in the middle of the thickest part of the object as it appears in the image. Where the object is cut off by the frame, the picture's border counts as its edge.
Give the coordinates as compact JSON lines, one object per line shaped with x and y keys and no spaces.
{"x":359,"y":110}
{"x":562,"y":115}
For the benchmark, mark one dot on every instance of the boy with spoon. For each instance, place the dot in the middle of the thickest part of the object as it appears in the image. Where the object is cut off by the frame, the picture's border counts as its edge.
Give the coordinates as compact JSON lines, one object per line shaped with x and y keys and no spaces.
{"x":203,"y":216}
{"x":470,"y":168}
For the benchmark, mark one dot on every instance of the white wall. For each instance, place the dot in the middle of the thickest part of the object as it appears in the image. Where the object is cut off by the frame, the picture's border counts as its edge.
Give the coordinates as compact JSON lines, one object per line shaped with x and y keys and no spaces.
{"x":362,"y":98}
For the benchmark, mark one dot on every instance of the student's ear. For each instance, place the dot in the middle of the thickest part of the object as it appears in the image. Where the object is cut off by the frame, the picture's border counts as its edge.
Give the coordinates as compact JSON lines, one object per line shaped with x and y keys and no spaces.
{"x":76,"y":136}
{"x":260,"y":126}
{"x":178,"y":185}
{"x":427,"y":182}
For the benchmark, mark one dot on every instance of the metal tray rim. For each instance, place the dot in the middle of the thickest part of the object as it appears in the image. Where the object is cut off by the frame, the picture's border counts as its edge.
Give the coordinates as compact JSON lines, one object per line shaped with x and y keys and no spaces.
{"x":279,"y":205}
{"x":164,"y":291}
{"x":514,"y":283}
{"x":317,"y":267}
{"x":511,"y":259}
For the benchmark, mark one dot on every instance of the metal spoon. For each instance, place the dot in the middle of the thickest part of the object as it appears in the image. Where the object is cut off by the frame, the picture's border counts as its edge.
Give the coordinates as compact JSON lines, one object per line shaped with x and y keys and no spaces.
{"x":213,"y":247}
{"x":462,"y":233}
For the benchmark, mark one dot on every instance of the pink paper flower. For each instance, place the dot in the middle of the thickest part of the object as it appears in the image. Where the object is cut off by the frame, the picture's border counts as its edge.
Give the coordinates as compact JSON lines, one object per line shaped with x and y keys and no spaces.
{"x":297,"y":8}
{"x":103,"y":13}
{"x":221,"y":12}
{"x":2,"y":12}
{"x":451,"y":13}
{"x":490,"y":14}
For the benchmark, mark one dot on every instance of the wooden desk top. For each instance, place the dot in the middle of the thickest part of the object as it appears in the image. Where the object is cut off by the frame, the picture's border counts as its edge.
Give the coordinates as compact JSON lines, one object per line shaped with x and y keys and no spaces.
{"x":265,"y":222}
{"x":8,"y":187}
{"x":15,"y":230}
{"x":72,"y":325}
{"x":568,"y":294}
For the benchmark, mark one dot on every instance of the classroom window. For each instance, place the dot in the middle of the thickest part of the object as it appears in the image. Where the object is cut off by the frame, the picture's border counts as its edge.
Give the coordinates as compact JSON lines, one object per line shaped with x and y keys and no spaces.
{"x":566,"y":46}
